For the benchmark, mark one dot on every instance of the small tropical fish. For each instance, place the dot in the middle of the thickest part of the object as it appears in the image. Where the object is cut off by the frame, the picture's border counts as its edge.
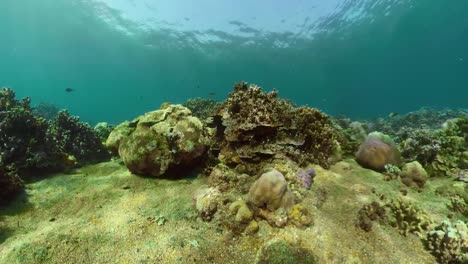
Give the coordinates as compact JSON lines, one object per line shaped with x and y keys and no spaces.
{"x":69,"y":90}
{"x":392,"y":114}
{"x":211,"y":94}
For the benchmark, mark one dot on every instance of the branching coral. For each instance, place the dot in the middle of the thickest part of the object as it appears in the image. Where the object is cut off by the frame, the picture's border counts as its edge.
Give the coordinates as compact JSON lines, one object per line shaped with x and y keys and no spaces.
{"x":448,"y":242}
{"x":408,"y":218}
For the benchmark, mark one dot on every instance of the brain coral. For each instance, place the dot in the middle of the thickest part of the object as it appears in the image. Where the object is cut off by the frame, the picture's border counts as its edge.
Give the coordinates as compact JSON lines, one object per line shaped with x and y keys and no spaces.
{"x":377,"y":151}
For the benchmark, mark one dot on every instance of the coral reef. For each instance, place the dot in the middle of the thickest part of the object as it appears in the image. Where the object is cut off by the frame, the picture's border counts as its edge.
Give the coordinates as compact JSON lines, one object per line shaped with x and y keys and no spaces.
{"x":77,"y":139}
{"x":10,"y":185}
{"x":201,"y":107}
{"x":253,"y":127}
{"x":423,"y":118}
{"x":370,"y":213}
{"x":413,"y":175}
{"x":408,"y":218}
{"x":448,"y":242}
{"x":103,"y":130}
{"x":420,"y":145}
{"x":166,"y":139}
{"x":226,"y":179}
{"x":29,"y":142}
{"x":377,"y":151}
{"x":46,"y":110}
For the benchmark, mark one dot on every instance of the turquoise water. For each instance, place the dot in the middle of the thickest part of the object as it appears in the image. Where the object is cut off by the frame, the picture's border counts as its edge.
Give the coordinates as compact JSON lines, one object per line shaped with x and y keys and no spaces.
{"x":355,"y":58}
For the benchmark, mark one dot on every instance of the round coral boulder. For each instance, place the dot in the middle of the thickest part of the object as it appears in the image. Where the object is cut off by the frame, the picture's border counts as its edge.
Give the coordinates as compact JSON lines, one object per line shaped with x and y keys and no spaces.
{"x":169,"y":138}
{"x":271,"y":191}
{"x":377,"y":151}
{"x":413,"y":175}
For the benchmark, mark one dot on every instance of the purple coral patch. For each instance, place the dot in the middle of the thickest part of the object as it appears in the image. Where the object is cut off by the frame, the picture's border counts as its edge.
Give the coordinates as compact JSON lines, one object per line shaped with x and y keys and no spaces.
{"x":307,"y":177}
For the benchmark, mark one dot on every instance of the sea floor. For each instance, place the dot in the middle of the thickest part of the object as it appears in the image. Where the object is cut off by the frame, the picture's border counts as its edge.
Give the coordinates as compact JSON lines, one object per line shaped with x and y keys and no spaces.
{"x":104,"y":214}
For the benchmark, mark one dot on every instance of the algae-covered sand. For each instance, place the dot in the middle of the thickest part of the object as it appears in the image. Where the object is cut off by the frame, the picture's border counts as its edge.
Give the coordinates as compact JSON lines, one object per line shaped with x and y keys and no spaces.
{"x":104,"y":214}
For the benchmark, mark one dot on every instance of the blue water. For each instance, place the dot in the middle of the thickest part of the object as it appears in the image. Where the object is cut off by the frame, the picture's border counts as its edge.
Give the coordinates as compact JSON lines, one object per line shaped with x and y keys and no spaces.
{"x":124,"y":57}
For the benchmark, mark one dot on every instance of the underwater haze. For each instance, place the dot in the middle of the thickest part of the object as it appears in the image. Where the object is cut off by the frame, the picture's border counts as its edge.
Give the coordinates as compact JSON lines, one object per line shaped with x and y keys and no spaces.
{"x":121,"y":58}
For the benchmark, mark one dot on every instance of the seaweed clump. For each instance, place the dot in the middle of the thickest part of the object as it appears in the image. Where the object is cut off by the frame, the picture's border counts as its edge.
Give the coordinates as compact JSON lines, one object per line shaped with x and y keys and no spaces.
{"x":254,"y":126}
